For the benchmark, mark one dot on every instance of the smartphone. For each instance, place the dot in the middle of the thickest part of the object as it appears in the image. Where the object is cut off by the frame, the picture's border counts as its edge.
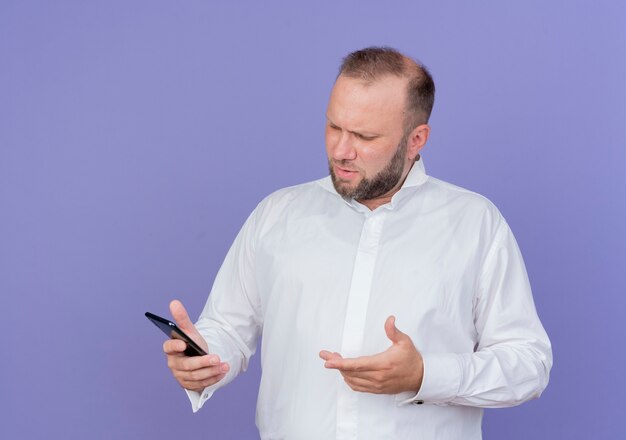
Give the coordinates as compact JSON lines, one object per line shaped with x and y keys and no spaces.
{"x":173,"y":332}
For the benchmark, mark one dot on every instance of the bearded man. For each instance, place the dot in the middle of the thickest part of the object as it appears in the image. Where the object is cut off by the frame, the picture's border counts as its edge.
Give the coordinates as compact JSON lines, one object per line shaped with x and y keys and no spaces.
{"x":391,"y":304}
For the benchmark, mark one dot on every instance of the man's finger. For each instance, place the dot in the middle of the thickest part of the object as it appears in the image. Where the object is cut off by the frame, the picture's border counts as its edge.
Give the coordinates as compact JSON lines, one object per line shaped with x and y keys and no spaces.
{"x":201,"y":385}
{"x":198,"y":362}
{"x":184,"y":323}
{"x":327,"y":355}
{"x":174,"y":346}
{"x":184,"y":363}
{"x":181,"y":317}
{"x":363,"y":385}
{"x":370,"y":375}
{"x":392,"y":331}
{"x":204,"y":373}
{"x":363,"y":363}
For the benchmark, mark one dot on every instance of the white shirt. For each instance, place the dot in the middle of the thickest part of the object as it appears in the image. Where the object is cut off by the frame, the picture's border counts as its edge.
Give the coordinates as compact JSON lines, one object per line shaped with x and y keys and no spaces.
{"x":311,"y":270}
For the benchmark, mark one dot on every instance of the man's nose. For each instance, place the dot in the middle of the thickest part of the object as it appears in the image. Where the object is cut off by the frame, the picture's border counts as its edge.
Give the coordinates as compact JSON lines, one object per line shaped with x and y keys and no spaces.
{"x":344,"y":149}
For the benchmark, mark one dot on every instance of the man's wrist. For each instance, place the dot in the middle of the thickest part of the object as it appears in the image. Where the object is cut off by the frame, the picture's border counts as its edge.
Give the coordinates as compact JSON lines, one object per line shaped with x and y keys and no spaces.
{"x":420,"y":375}
{"x":441,"y":378}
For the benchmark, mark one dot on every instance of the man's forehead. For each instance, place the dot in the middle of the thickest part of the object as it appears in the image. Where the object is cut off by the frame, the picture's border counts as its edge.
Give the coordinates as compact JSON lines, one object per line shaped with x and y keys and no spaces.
{"x":372,"y":104}
{"x":389,"y":90}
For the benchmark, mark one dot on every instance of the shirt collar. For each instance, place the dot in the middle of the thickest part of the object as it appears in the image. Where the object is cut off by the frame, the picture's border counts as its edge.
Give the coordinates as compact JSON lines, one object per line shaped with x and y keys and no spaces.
{"x":416,"y":177}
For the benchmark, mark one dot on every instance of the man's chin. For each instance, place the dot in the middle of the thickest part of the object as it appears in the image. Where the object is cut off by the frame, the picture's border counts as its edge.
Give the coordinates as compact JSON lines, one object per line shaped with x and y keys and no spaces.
{"x":345,"y":189}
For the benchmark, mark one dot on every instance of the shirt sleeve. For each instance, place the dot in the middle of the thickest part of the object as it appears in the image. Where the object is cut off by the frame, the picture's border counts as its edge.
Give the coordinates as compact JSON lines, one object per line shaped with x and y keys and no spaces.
{"x":231,"y":320}
{"x":512,"y":359}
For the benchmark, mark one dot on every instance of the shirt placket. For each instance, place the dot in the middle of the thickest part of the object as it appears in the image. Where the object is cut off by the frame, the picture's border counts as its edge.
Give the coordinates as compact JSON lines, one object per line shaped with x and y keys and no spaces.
{"x":356,"y":314}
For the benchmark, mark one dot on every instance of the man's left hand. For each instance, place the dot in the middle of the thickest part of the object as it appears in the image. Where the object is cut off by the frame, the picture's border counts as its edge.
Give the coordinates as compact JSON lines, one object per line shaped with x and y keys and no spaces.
{"x":397,"y":369}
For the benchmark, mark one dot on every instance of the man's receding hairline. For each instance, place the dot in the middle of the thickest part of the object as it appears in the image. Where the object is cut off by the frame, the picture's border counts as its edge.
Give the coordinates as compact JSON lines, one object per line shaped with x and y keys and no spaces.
{"x":370,"y":81}
{"x":352,"y":68}
{"x":371,"y":64}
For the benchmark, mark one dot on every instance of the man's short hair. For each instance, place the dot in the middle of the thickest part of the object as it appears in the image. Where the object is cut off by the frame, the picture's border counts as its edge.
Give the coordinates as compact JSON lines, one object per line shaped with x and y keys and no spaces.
{"x":373,"y":63}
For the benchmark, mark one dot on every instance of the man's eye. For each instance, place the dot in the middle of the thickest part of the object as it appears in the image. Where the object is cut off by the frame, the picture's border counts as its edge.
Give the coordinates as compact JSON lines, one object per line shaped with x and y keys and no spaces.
{"x":365,"y":138}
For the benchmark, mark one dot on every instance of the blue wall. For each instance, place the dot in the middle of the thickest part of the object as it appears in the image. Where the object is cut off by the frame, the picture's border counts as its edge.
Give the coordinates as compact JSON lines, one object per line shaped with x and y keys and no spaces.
{"x":136,"y":136}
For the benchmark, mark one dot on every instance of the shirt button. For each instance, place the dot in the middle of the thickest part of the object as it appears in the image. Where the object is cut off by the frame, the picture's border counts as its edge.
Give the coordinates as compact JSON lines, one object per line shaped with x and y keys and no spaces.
{"x":206,"y":396}
{"x":418,"y":402}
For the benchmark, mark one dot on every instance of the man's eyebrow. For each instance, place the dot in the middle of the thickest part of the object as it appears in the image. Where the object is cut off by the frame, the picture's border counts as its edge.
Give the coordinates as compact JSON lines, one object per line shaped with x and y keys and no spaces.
{"x":365,"y":134}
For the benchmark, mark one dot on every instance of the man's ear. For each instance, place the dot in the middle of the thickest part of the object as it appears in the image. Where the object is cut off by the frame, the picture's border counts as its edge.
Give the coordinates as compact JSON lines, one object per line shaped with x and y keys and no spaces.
{"x":417,"y":140}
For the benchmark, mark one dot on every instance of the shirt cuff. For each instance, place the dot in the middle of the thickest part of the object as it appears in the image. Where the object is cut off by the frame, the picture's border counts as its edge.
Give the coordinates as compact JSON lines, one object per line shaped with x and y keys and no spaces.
{"x":198,"y":399}
{"x":440,"y":384}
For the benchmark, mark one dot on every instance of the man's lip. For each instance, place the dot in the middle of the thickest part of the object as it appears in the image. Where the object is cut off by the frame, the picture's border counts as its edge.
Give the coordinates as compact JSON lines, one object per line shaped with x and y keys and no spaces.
{"x":344,"y":173}
{"x":345,"y":170}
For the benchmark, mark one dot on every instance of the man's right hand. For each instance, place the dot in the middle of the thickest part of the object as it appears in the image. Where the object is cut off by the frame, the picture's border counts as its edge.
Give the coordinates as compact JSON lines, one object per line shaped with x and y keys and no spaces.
{"x":197,"y":372}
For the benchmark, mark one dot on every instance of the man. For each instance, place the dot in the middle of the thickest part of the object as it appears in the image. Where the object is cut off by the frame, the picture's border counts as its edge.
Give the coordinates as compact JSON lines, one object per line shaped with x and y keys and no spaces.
{"x":412,"y":291}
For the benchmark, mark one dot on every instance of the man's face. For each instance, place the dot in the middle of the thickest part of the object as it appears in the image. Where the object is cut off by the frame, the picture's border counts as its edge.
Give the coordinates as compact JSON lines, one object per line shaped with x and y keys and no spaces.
{"x":365,"y":139}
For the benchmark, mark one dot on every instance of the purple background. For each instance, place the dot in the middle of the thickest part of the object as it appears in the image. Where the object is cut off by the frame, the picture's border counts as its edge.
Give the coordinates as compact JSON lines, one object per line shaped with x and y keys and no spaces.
{"x":135,"y":137}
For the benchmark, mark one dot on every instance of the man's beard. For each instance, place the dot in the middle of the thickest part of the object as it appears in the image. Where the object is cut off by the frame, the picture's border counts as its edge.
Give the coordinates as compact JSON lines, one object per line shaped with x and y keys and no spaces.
{"x":378,"y":185}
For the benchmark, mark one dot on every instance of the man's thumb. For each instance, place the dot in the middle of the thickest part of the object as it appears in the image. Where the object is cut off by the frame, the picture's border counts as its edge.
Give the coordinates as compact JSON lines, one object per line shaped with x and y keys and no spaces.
{"x":392,"y":331}
{"x":181,"y":317}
